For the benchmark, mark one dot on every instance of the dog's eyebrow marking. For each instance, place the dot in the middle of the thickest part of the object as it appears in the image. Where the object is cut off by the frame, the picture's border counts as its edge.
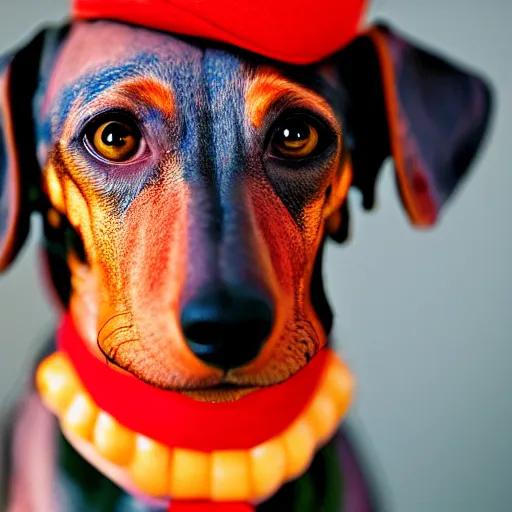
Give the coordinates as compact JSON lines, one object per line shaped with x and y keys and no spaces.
{"x":146,"y":93}
{"x":151,"y":92}
{"x":268,"y":87}
{"x":89,"y":86}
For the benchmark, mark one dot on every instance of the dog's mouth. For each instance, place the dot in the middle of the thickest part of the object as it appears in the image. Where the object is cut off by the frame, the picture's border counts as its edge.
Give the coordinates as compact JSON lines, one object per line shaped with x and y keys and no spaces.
{"x":220,"y":393}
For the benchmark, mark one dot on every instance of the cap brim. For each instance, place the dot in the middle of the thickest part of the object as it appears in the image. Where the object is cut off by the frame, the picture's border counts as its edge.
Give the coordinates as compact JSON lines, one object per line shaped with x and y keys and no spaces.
{"x":296,"y":32}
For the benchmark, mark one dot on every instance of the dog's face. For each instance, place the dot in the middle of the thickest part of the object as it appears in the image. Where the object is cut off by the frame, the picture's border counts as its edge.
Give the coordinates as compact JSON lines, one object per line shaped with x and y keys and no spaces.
{"x":192,"y":188}
{"x":199,"y":184}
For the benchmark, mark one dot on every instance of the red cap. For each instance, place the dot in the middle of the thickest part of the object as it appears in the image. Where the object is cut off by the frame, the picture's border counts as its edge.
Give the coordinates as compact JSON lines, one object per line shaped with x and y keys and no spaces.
{"x":293,"y":31}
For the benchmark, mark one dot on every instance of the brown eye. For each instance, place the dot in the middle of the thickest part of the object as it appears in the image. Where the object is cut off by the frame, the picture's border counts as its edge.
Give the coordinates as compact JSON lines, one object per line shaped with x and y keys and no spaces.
{"x":295,"y":138}
{"x":115,"y":140}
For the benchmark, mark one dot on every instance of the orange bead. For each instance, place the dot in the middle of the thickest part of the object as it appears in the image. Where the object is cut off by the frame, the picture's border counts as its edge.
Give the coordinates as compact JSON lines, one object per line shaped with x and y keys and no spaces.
{"x":150,"y":467}
{"x":339,"y":384}
{"x":80,"y":416}
{"x":230,"y":476}
{"x":190,"y":475}
{"x":322,"y":417}
{"x":268,"y":468}
{"x":299,"y":444}
{"x":112,"y":440}
{"x":56,"y":382}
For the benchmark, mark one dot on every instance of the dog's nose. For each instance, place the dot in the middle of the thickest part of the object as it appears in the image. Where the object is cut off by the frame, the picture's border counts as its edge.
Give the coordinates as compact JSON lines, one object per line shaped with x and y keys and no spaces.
{"x":227,"y":328}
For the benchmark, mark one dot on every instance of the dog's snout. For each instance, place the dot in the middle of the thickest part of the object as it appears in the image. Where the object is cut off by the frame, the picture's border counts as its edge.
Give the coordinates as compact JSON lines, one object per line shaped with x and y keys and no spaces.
{"x":227,"y":328}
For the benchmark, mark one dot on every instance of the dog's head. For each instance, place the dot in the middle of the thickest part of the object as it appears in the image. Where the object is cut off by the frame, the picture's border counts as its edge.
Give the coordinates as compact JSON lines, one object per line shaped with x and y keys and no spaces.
{"x":187,"y":188}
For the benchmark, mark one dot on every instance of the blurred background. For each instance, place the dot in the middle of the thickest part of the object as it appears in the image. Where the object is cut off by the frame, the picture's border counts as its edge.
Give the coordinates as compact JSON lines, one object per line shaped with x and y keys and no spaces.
{"x":424,"y":319}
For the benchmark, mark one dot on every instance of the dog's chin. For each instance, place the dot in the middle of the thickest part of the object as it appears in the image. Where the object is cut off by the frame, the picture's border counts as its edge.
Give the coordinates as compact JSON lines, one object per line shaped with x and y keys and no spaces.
{"x":224,"y":393}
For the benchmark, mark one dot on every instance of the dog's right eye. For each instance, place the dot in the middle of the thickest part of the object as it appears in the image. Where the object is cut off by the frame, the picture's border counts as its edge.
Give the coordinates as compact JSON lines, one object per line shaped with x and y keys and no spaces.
{"x":115,"y":139}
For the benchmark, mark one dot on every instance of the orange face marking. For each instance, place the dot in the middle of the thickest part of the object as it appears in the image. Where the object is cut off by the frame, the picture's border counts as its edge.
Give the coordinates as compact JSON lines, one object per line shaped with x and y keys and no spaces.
{"x":282,"y":355}
{"x":152,"y":252}
{"x":268,"y":87}
{"x":150,"y":92}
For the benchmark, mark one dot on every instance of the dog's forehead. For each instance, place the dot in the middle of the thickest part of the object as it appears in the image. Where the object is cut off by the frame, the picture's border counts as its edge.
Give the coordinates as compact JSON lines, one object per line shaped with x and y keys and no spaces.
{"x":106,"y":52}
{"x":93,"y":49}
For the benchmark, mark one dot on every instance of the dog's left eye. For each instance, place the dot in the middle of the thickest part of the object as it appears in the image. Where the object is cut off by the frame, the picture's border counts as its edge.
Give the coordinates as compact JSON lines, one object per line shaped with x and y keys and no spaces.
{"x":116,"y":139}
{"x":298,"y":136}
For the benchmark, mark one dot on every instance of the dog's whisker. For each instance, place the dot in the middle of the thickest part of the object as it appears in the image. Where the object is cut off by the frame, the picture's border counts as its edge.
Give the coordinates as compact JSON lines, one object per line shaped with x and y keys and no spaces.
{"x":111,"y":357}
{"x":113,"y":317}
{"x":115,"y":332}
{"x":125,"y":342}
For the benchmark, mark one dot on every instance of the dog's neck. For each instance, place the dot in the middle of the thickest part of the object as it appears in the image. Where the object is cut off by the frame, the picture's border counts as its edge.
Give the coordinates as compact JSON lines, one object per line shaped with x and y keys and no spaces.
{"x":161,"y":444}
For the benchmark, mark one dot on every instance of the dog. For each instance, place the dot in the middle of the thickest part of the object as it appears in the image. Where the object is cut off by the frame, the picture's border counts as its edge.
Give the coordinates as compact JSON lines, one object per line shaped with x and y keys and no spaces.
{"x":187,"y":190}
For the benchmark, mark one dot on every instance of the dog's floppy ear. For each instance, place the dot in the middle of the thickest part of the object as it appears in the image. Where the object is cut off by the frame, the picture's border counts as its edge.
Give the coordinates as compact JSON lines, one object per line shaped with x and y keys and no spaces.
{"x":19,"y":170}
{"x":422,"y":110}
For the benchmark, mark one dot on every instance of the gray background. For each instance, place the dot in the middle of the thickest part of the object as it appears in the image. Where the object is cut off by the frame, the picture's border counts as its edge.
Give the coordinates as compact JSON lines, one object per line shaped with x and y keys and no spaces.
{"x":422,"y":318}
